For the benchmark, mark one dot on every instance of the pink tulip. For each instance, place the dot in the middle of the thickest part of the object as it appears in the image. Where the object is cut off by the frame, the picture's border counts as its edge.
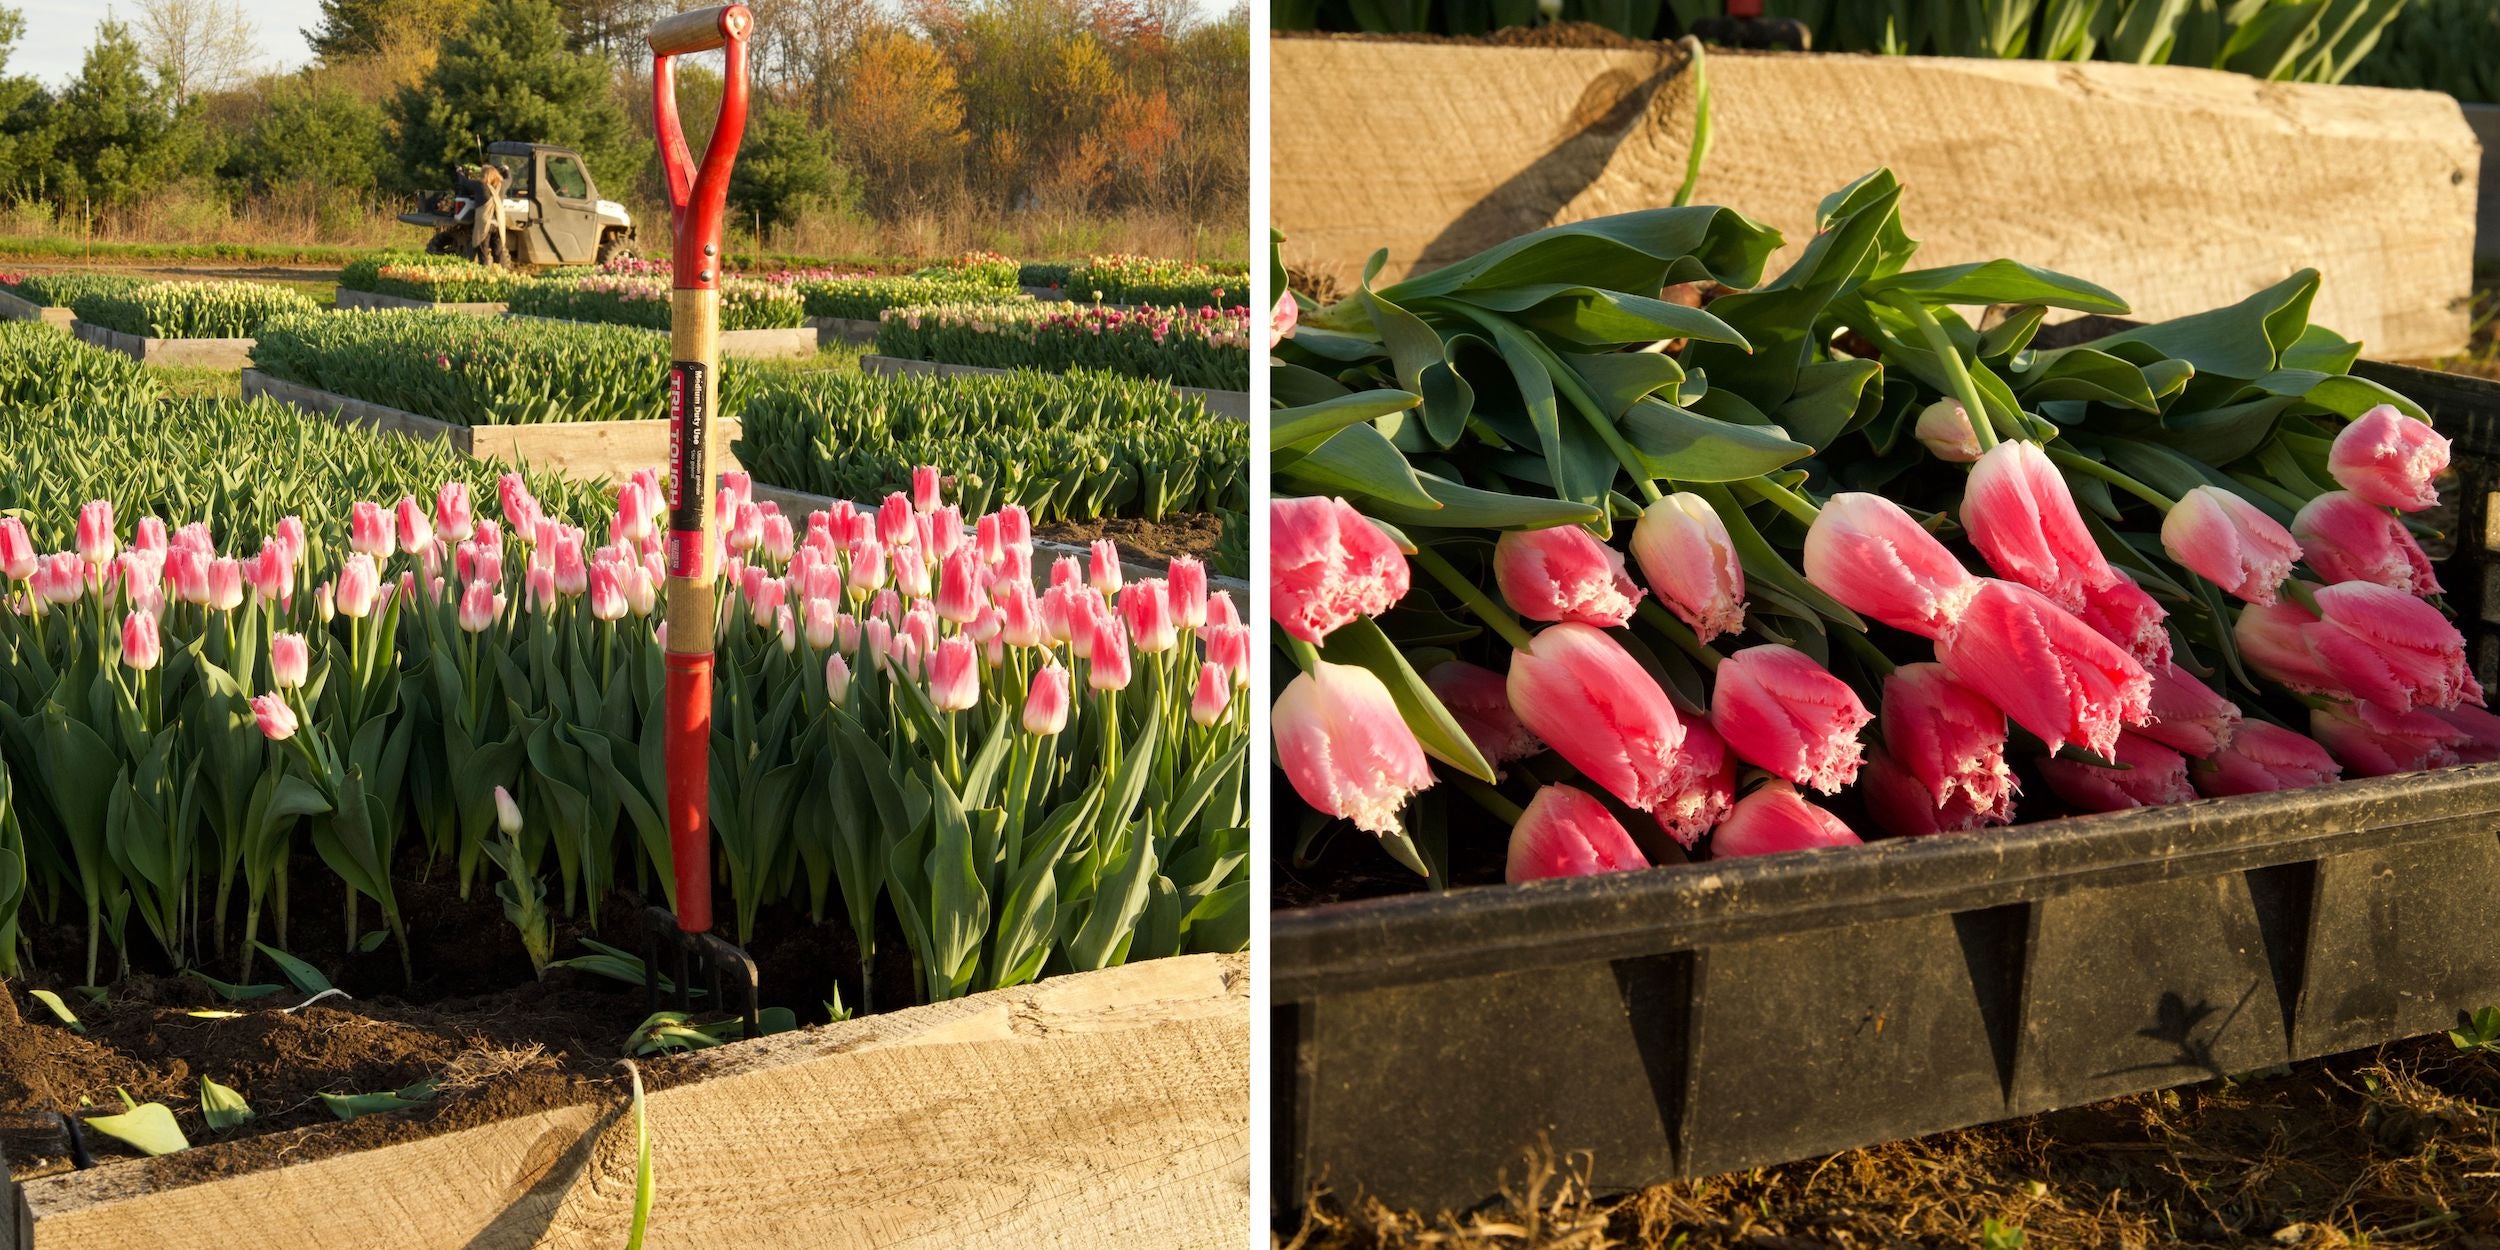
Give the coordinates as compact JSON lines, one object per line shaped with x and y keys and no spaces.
{"x":58,"y":579}
{"x":290,"y":537}
{"x":1944,"y":428}
{"x":867,"y":571}
{"x":911,"y":571}
{"x":520,"y":509}
{"x":150,"y":535}
{"x":1066,"y":571}
{"x":1479,"y":700}
{"x":188,"y":571}
{"x":2387,"y":647}
{"x":1187,"y":579}
{"x":2024,"y":522}
{"x":1902,"y":805}
{"x":1214,"y":694}
{"x":2229,"y":542}
{"x":1282,"y":319}
{"x":2347,"y":539}
{"x":2262,"y":758}
{"x":415,"y":526}
{"x":1229,"y":646}
{"x":359,"y":587}
{"x":1778,"y":709}
{"x":1685,"y":552}
{"x":2478,"y":730}
{"x":1874,"y":558}
{"x":2121,"y":612}
{"x":1019,"y":615}
{"x":1327,"y":566}
{"x":454,"y":516}
{"x":2389,"y":459}
{"x":2275,"y":641}
{"x":1146,"y":607}
{"x":2188,"y":717}
{"x":958,"y":589}
{"x":1221,"y":611}
{"x":17,"y":551}
{"x":477,"y":607}
{"x":1046,"y":704}
{"x":142,"y":648}
{"x":194,"y":537}
{"x":369,"y":530}
{"x":1951,"y":740}
{"x":270,"y":574}
{"x":816,"y":617}
{"x":1702,"y":785}
{"x":924,"y":488}
{"x":1107,"y":661}
{"x":2046,"y":670}
{"x":1341,"y":743}
{"x":1774,"y":819}
{"x":607,"y":594}
{"x":1103,"y":570}
{"x":277,"y":720}
{"x":1565,"y":833}
{"x":2150,"y":775}
{"x":955,"y":675}
{"x":2372,"y":741}
{"x":290,"y":659}
{"x":837,"y":678}
{"x":1580,"y":691}
{"x":95,"y":532}
{"x":894,"y":521}
{"x":1563,"y":574}
{"x":778,"y":540}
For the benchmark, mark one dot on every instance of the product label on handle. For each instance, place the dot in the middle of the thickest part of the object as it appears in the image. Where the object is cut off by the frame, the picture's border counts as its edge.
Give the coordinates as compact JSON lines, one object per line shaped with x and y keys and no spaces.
{"x":689,"y":416}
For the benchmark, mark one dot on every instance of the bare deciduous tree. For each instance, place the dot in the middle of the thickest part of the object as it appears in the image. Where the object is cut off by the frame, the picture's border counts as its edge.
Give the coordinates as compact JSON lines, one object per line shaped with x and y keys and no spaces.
{"x":196,"y":46}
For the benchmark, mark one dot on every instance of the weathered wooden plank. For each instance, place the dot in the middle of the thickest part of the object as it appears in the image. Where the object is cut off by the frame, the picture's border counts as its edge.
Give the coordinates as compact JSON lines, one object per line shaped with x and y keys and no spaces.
{"x":19,"y":308}
{"x":1234,"y":404}
{"x":199,"y":353}
{"x":843,"y":329}
{"x":2180,"y":189}
{"x":1101,"y":1109}
{"x":777,"y":343}
{"x":603,"y":450}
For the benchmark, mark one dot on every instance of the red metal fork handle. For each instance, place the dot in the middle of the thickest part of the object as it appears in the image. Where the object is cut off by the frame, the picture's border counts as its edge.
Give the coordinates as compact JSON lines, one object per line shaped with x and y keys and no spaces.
{"x":697,"y":197}
{"x":689,"y":763}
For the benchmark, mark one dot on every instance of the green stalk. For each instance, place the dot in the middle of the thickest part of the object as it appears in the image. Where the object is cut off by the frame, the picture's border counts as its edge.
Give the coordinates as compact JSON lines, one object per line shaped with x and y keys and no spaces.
{"x":1679,"y":633}
{"x":2090,"y":467}
{"x":1786,"y":500}
{"x":1493,"y":614}
{"x":1488,"y":798}
{"x":1949,"y":358}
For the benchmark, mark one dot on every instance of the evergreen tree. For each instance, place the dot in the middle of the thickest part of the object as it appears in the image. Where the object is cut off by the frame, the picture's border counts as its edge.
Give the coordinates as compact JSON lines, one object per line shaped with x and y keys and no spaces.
{"x":113,"y":139}
{"x":314,"y":131}
{"x":509,"y":75}
{"x":783,"y":165}
{"x":25,"y":119}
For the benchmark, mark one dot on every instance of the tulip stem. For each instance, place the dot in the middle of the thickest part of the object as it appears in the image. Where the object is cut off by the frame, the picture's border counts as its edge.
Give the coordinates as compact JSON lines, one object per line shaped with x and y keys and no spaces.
{"x":1949,"y":358}
{"x":1787,"y":500}
{"x":2090,"y":467}
{"x":1493,"y":614}
{"x":1488,"y":798}
{"x":1867,"y":651}
{"x":1679,"y":633}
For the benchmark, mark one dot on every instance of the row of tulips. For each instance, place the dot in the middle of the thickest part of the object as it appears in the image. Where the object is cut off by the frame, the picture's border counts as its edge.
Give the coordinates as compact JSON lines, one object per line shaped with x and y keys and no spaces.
{"x":1155,"y":281}
{"x":1027,"y":778}
{"x":191,"y":310}
{"x":644,"y":300}
{"x":1205,"y":347}
{"x":866,"y":297}
{"x":439,"y":279}
{"x":63,"y":288}
{"x":1907,"y":563}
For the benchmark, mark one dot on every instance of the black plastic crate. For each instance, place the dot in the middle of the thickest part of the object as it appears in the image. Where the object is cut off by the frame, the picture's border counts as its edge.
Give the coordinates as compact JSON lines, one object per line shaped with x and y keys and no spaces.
{"x":1699,"y":1019}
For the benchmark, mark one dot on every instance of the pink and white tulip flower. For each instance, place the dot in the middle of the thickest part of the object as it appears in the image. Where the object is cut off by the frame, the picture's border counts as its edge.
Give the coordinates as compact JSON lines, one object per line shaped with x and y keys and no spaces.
{"x":1186,"y":580}
{"x":1103,"y":570}
{"x":1566,"y":833}
{"x":2149,"y":775}
{"x":1778,"y":709}
{"x":1685,"y":553}
{"x":1701,"y":786}
{"x":1213,"y":695}
{"x":1342,"y":744}
{"x":1878,"y":561}
{"x":1586,"y":697}
{"x":1563,"y":574}
{"x":2389,"y":459}
{"x":277,"y":720}
{"x":1046,"y":703}
{"x":2228,"y":541}
{"x":2025,"y":524}
{"x":370,"y":531}
{"x":925,"y":484}
{"x":2371,"y":741}
{"x":955,"y":675}
{"x":1479,"y":700}
{"x":142,"y":646}
{"x":1951,"y":741}
{"x":17,"y":550}
{"x":96,"y":542}
{"x":2349,"y":539}
{"x":2188,"y":716}
{"x":478,"y":607}
{"x":1944,"y":429}
{"x":290,"y":660}
{"x":1282,"y":319}
{"x":1327,"y":566}
{"x":1146,"y":608}
{"x":2386,"y":647}
{"x":2261,"y":758}
{"x":359,"y":587}
{"x":1773,"y":819}
{"x":2047,"y":671}
{"x":1107,"y":661}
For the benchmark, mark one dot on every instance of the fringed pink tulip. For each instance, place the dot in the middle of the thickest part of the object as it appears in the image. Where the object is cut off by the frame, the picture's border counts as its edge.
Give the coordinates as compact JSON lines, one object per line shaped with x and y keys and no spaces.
{"x":2479,"y":740}
{"x":2389,"y":459}
{"x":2150,"y":775}
{"x":1563,"y":574}
{"x":1344,"y":747}
{"x":1213,"y":696}
{"x":1944,"y":429}
{"x":60,"y":578}
{"x":1479,"y":700}
{"x":17,"y":550}
{"x":1951,"y":740}
{"x":894,"y":521}
{"x":1229,"y":646}
{"x":142,"y":647}
{"x":1875,"y":558}
{"x":2275,"y":641}
{"x":187,"y":570}
{"x":277,"y":721}
{"x":1701,"y":785}
{"x":96,"y":542}
{"x":1221,"y":610}
{"x":1107,"y":661}
{"x":1187,"y":588}
{"x":959,"y":587}
{"x":1566,"y":833}
{"x":455,"y":517}
{"x":1685,"y":552}
{"x":1778,"y":709}
{"x":1581,"y":692}
{"x":955,"y":674}
{"x":817,"y":623}
{"x":414,"y":526}
{"x":2226,"y":540}
{"x":2121,"y":612}
{"x":2024,"y":522}
{"x":2387,"y":647}
{"x":607,"y":594}
{"x":1046,"y":704}
{"x":2262,"y":758}
{"x":369,"y":530}
{"x":1146,"y":608}
{"x":2188,"y":717}
{"x":359,"y":587}
{"x":1327,"y":566}
{"x":2374,"y":742}
{"x":150,"y":535}
{"x":2047,"y":671}
{"x":2348,"y":539}
{"x":1020,"y":615}
{"x":1775,"y":818}
{"x":290,"y":660}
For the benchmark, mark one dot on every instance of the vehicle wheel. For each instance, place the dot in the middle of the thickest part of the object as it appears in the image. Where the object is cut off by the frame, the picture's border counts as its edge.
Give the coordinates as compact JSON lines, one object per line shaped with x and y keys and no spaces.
{"x":615,"y":247}
{"x":443,"y":244}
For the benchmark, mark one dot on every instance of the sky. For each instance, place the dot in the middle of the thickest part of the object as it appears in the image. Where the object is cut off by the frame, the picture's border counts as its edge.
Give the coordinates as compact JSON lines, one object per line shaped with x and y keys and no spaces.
{"x":58,"y":32}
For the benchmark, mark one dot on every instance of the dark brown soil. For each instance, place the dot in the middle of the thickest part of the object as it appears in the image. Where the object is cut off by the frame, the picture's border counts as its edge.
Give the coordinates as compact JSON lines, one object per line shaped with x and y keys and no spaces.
{"x":2396,"y":1147}
{"x":1146,"y":542}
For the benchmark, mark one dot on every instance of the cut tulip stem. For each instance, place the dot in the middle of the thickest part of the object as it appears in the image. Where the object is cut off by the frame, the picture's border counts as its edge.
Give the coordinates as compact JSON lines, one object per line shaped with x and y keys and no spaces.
{"x":1957,"y":377}
{"x":1679,"y":633}
{"x":1488,"y":798}
{"x":1786,"y":500}
{"x":1494,"y":615}
{"x":2090,"y":467}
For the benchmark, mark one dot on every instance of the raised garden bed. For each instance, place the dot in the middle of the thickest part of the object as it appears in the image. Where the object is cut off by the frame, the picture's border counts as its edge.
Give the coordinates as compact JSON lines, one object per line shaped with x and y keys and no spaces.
{"x":1234,"y":404}
{"x":843,"y":330}
{"x":776,"y":343}
{"x":598,"y":450}
{"x":18,"y":308}
{"x":348,"y":298}
{"x":197,"y":353}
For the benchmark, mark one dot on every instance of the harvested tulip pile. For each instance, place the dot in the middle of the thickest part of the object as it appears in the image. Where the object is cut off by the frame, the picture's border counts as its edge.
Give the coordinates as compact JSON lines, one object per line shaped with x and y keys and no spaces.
{"x":1649,"y":558}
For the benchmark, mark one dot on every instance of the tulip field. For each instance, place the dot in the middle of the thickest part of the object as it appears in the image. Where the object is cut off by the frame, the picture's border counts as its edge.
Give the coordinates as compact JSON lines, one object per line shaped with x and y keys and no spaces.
{"x":1829,"y":558}
{"x":745,"y":303}
{"x":1205,"y":347}
{"x":190,"y":310}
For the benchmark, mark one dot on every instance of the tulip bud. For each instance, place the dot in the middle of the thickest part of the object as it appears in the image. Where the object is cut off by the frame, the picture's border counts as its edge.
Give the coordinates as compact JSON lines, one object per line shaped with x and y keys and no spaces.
{"x":1778,"y":709}
{"x":1479,"y":700}
{"x":837,"y":678}
{"x":150,"y":535}
{"x":2024,"y":522}
{"x":359,"y":587}
{"x":290,"y":660}
{"x":1214,"y":694}
{"x":1685,"y":552}
{"x":1902,"y":805}
{"x":276,"y":719}
{"x":2188,"y":717}
{"x":2261,"y":758}
{"x":924,"y":488}
{"x":507,"y":813}
{"x":1874,"y":558}
{"x":1220,"y":609}
{"x":1146,"y":607}
{"x":1103,"y":566}
{"x":95,"y":532}
{"x":1046,"y":703}
{"x":1563,"y":574}
{"x":2149,"y":775}
{"x":142,"y":648}
{"x":290,"y":538}
{"x":959,"y":589}
{"x":607,"y":593}
{"x":867,"y":571}
{"x":2389,"y":459}
{"x":1282,"y":319}
{"x":1951,"y":741}
{"x":1107,"y":663}
{"x":911,"y":571}
{"x":478,"y":607}
{"x":1327,"y":565}
{"x":2387,"y":647}
{"x":1580,"y":691}
{"x":17,"y":550}
{"x":2229,"y":542}
{"x":454,"y":516}
{"x":1344,"y":747}
{"x":1773,"y":819}
{"x":1944,"y":428}
{"x":2047,"y":671}
{"x":2347,"y":539}
{"x":415,"y":527}
{"x":954,"y":675}
{"x":1565,"y":833}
